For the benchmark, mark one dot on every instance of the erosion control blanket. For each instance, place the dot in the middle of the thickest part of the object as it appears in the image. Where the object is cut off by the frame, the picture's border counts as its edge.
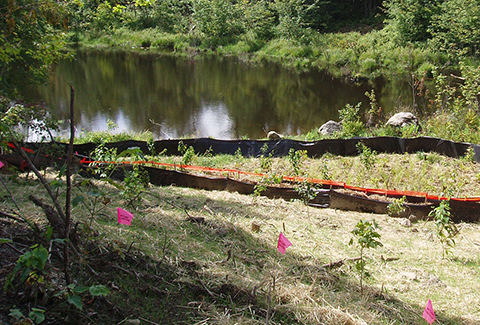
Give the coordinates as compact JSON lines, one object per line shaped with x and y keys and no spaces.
{"x":280,"y":148}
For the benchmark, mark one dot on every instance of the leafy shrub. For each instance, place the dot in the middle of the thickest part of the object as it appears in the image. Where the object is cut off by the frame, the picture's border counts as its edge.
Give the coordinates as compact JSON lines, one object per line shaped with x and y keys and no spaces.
{"x":367,"y":155}
{"x":365,"y":236}
{"x":218,"y":20}
{"x":351,"y":122}
{"x":396,"y":208}
{"x":446,"y":229}
{"x":31,"y":265}
{"x":188,"y":153}
{"x":265,"y":160}
{"x":296,"y":158}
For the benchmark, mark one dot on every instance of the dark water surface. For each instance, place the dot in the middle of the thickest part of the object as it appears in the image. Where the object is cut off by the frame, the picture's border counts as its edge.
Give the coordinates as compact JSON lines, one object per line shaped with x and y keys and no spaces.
{"x":219,"y":97}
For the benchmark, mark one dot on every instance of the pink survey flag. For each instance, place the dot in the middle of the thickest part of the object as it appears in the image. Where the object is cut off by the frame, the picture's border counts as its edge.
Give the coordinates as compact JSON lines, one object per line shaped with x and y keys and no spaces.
{"x":283,"y":243}
{"x":1,"y":164}
{"x":428,"y":313}
{"x":124,"y":217}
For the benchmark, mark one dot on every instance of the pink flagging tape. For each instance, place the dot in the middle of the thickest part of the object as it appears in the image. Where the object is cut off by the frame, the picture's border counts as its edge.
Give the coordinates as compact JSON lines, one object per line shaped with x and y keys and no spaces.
{"x":428,"y":313}
{"x":124,"y":217}
{"x":283,"y":243}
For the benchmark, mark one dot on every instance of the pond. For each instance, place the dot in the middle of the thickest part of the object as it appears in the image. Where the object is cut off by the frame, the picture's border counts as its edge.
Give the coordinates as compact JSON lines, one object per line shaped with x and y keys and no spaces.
{"x":208,"y":96}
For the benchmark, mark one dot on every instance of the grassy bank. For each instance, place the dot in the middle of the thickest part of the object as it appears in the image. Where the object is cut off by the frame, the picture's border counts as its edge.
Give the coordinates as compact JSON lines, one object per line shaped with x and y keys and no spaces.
{"x":350,"y":55}
{"x":225,"y":269}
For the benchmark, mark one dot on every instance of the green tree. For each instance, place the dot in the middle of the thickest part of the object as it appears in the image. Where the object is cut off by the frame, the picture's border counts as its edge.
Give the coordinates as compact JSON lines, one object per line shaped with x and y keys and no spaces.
{"x":446,"y":229}
{"x":411,"y":20}
{"x":456,"y":27}
{"x":29,"y":41}
{"x":365,"y":236}
{"x":218,"y":20}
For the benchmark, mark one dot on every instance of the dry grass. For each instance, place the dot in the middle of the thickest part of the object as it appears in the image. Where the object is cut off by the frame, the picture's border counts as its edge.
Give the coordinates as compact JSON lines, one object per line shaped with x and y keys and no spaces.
{"x":424,"y":172}
{"x":404,"y":273}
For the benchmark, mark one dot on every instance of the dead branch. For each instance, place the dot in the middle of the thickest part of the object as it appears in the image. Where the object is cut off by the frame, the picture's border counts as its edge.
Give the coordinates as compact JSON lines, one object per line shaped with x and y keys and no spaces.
{"x":334,"y":265}
{"x":10,"y":216}
{"x":194,"y":219}
{"x":55,"y":220}
{"x":68,"y":198}
{"x":42,"y":180}
{"x":14,"y":248}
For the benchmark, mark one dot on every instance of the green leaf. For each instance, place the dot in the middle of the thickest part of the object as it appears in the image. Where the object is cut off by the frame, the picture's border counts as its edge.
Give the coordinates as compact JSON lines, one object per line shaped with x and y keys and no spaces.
{"x":76,"y":301}
{"x":56,"y":184}
{"x":60,"y":240}
{"x":15,"y":313}
{"x":99,"y":290}
{"x":62,"y":171}
{"x":48,"y":233}
{"x":77,"y":200}
{"x":5,"y":240}
{"x":81,"y":289}
{"x":40,"y":256}
{"x":37,"y":315}
{"x":96,"y":193}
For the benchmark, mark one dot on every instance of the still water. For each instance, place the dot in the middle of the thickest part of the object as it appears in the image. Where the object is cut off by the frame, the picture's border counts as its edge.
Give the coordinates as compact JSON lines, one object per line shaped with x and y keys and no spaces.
{"x":219,"y":97}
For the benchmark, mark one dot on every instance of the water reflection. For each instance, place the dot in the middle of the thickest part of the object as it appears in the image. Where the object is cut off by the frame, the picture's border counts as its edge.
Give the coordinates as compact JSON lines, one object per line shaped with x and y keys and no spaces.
{"x":223,"y":98}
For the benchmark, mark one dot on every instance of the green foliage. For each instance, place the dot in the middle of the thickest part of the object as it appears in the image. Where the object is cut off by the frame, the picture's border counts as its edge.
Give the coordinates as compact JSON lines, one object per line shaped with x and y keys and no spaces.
{"x":397,"y":208}
{"x":35,"y":316}
{"x":259,"y":20}
{"x":366,"y":155}
{"x":411,"y":20}
{"x":218,"y":20}
{"x":469,"y":155}
{"x":296,"y":158}
{"x":262,"y":186}
{"x":457,"y":105}
{"x":446,"y":230}
{"x":135,"y":181}
{"x":258,"y":189}
{"x":188,"y":153}
{"x":31,"y":266}
{"x":74,"y":293}
{"x":365,"y":236}
{"x":28,"y":42}
{"x":265,"y":160}
{"x":352,"y":124}
{"x":307,"y":191}
{"x":374,"y":113}
{"x":108,"y":137}
{"x":456,"y":27}
{"x":325,"y":172}
{"x":16,"y":116}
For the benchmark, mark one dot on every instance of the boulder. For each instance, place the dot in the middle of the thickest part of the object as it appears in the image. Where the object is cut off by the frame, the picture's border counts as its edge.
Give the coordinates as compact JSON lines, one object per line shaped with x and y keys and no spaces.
{"x":272,"y":135}
{"x":401,"y":119}
{"x":330,"y":128}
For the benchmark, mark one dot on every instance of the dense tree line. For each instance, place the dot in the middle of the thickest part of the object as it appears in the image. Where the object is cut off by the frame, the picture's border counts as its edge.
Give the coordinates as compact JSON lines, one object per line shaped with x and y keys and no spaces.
{"x":223,"y":17}
{"x":450,"y":24}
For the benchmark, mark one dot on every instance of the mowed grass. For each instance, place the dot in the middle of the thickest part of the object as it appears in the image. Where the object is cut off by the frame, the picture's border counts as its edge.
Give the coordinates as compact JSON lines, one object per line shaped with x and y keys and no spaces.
{"x":239,"y":268}
{"x":404,"y":273}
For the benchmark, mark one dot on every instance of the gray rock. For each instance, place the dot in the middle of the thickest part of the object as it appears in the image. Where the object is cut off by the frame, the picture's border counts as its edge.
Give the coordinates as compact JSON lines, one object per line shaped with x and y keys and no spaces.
{"x":330,"y":128}
{"x":406,"y":223}
{"x":272,"y":135}
{"x":401,"y":119}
